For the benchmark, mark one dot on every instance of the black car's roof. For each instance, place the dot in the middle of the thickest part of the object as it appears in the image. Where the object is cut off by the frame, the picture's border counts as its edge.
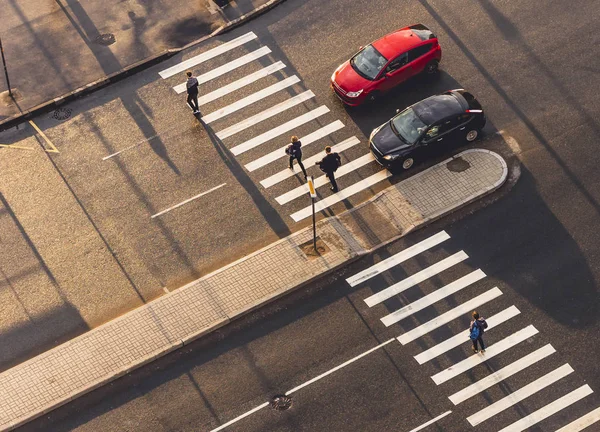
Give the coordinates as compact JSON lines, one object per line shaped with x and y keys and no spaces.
{"x":438,"y":107}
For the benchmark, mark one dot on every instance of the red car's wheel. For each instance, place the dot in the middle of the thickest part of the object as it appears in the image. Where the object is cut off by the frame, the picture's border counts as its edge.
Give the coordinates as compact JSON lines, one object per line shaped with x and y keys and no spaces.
{"x":432,"y":67}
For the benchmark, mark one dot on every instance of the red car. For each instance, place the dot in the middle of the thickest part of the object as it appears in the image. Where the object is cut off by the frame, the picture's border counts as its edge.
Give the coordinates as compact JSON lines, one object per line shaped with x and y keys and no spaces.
{"x":385,"y":63}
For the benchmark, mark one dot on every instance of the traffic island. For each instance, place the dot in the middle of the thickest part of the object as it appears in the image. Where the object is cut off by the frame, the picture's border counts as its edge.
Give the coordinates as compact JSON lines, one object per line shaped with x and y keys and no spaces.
{"x":105,"y":353}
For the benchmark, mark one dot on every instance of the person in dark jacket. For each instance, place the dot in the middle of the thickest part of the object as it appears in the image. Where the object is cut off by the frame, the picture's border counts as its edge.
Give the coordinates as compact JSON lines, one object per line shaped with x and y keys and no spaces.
{"x":294,"y":150}
{"x":192,"y":92}
{"x":329,"y":164}
{"x":476,"y":329}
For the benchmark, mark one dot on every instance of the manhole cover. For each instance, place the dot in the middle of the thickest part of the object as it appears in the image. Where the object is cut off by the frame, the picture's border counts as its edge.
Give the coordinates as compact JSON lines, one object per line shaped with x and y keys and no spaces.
{"x":62,"y":113}
{"x":458,"y":165}
{"x":106,"y":39}
{"x":281,"y":402}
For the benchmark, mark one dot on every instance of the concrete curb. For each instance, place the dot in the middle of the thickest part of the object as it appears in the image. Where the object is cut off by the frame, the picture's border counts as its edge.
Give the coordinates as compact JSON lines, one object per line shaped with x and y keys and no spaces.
{"x":129,"y":70}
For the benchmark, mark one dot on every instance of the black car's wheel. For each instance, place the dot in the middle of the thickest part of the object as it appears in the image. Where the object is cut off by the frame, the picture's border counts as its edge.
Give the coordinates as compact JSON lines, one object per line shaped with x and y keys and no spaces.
{"x":472,"y":135}
{"x":407,"y":163}
{"x":432,"y":67}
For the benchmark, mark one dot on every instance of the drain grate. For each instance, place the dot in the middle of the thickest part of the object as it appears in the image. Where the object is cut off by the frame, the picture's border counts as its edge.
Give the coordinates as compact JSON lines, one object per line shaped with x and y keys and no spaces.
{"x":106,"y":39}
{"x":281,"y":402}
{"x":62,"y":113}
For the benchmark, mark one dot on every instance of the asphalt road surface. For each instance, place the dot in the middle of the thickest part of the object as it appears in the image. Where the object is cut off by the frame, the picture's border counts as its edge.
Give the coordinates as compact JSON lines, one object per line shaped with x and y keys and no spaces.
{"x":529,"y":65}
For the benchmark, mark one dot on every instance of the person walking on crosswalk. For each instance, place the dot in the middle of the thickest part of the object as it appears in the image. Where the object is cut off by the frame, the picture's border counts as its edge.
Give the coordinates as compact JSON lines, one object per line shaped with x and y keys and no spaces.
{"x":329,"y":165}
{"x":294,"y":150}
{"x":192,"y":92}
{"x":476,"y":329}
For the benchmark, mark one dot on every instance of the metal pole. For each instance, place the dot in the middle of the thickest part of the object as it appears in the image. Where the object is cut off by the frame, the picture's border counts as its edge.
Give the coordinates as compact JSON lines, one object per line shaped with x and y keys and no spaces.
{"x":314,"y":226}
{"x":6,"y":71}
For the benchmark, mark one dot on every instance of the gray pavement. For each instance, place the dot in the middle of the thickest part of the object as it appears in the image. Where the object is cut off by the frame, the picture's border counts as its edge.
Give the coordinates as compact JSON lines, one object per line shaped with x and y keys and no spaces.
{"x":111,"y":350}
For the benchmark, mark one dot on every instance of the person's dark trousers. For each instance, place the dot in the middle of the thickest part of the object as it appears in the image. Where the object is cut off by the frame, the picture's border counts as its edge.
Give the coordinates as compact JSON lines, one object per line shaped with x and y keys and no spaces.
{"x":193,"y":98}
{"x":331,"y":176}
{"x":481,"y":344}
{"x":299,"y":159}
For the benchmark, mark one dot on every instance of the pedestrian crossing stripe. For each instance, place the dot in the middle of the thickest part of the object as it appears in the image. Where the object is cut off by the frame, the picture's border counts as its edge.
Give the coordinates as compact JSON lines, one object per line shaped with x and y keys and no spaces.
{"x":249,"y":100}
{"x":308,"y":162}
{"x":502,"y":374}
{"x":432,"y":298}
{"x":342,"y":194}
{"x":415,"y":279}
{"x":463,"y":336}
{"x":550,"y":409}
{"x":306,"y":140}
{"x":207,"y":55}
{"x":279,"y":130}
{"x":226,"y":68}
{"x":266,"y":114}
{"x":398,"y":258}
{"x":323,"y":180}
{"x":492,"y":351}
{"x":241,"y":83}
{"x":582,"y":422}
{"x":520,"y":395}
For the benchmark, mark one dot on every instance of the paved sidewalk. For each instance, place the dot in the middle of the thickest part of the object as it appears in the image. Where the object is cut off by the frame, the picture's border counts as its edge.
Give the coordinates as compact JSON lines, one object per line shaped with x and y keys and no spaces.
{"x":111,"y":350}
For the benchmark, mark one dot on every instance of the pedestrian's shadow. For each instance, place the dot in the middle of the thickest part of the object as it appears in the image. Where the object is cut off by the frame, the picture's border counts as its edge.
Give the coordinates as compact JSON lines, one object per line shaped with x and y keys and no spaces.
{"x":273,"y":218}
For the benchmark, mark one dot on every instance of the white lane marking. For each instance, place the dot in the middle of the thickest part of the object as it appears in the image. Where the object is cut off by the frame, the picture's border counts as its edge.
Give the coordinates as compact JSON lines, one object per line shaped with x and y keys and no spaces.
{"x":492,"y":351}
{"x":463,"y":336}
{"x":238,"y":418}
{"x":187,"y":201}
{"x":146,"y":140}
{"x":227,"y":67}
{"x":279,"y":130}
{"x":432,"y":298}
{"x":249,"y":100}
{"x":446,"y":317}
{"x":323,"y":180}
{"x":306,"y":140}
{"x":430,"y":422}
{"x":398,"y":258}
{"x":201,"y":58}
{"x":550,"y":409}
{"x":243,"y":82}
{"x":502,"y":374}
{"x":309,"y":162}
{"x":415,"y":279}
{"x":582,"y":422}
{"x":330,"y":371}
{"x":342,"y":194}
{"x":266,"y":114}
{"x":520,"y":395}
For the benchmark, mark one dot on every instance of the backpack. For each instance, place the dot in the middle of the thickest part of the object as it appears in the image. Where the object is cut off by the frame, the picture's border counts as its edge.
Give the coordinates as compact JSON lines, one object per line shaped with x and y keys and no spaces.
{"x":338,"y":162}
{"x":475,"y":331}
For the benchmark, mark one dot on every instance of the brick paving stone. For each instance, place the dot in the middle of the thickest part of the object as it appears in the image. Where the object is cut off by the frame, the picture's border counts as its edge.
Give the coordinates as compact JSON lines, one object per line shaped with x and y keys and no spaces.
{"x":111,"y":350}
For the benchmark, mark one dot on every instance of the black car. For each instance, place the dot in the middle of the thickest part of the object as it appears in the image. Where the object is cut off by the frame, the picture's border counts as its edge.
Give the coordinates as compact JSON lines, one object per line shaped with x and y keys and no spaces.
{"x":431,"y":125}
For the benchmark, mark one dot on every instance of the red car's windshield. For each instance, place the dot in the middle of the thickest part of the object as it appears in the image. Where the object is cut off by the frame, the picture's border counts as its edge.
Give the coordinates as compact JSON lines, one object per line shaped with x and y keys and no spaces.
{"x":368,"y":62}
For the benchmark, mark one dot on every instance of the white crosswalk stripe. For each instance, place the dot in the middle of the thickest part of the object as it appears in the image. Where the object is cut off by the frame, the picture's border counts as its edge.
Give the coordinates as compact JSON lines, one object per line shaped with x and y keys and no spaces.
{"x":432,"y":298}
{"x":452,"y":314}
{"x":502,"y":374}
{"x":323,"y":180}
{"x":582,"y":422}
{"x":520,"y":395}
{"x":308,"y":162}
{"x":249,"y":100}
{"x":306,"y":140}
{"x":241,"y":83}
{"x":343,"y":194}
{"x":462,"y":337}
{"x":226,"y":68}
{"x":398,"y":258}
{"x":492,"y":351}
{"x":415,"y":279}
{"x":201,"y":58}
{"x":279,"y":130}
{"x":266,"y":114}
{"x":550,"y":409}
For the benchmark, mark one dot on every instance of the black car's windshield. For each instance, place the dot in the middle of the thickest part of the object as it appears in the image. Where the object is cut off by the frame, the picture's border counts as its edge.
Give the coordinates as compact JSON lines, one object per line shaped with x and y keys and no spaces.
{"x":368,"y":62}
{"x":408,"y":126}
